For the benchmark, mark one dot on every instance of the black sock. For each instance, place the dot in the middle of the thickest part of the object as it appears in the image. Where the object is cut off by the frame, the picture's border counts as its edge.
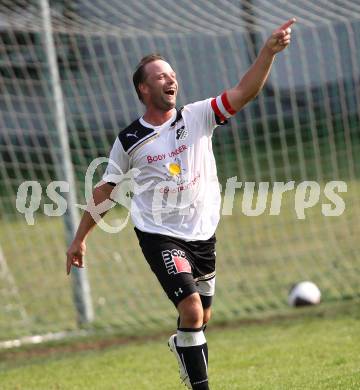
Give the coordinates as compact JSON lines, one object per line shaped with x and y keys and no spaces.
{"x":178,"y":325}
{"x":205,"y":345}
{"x":192,"y":348}
{"x":206,"y":353}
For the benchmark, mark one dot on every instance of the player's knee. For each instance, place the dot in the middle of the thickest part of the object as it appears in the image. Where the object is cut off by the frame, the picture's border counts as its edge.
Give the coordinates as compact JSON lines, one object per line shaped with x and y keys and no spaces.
{"x":191,"y":312}
{"x":192,"y":317}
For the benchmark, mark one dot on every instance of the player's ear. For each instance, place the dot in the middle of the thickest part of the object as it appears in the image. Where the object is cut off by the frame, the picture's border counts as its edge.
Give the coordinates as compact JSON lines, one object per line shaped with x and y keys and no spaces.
{"x":144,"y":89}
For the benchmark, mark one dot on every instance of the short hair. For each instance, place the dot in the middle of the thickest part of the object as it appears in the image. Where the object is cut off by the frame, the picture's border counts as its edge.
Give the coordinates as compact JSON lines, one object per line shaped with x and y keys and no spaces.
{"x":139,"y":75}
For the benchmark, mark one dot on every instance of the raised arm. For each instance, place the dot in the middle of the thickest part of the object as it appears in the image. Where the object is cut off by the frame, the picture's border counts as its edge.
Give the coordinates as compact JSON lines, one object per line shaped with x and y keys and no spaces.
{"x":75,"y":253}
{"x":254,"y":79}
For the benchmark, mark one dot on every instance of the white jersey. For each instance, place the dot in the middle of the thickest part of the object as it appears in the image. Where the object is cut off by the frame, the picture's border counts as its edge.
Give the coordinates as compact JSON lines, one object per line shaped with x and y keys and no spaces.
{"x":176,"y":186}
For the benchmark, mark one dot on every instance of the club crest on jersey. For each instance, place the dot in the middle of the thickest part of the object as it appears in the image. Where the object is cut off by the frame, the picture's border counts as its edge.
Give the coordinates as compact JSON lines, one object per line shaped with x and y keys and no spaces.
{"x":181,"y":133}
{"x":175,"y":261}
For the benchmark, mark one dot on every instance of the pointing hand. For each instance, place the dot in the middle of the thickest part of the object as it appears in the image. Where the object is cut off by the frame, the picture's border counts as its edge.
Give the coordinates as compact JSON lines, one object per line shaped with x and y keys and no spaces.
{"x":280,"y":38}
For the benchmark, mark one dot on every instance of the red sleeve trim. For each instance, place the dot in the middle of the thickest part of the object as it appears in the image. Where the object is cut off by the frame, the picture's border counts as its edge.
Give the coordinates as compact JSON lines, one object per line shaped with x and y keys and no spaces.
{"x":226,"y":104}
{"x":217,"y":111}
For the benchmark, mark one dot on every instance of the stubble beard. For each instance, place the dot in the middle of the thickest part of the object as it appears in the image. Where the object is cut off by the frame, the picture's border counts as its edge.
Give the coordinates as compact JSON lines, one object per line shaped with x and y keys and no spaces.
{"x":165,"y":104}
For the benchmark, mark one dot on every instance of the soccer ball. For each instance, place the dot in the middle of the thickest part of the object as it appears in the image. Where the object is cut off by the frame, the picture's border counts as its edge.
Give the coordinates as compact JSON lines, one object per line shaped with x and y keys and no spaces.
{"x":304,"y":294}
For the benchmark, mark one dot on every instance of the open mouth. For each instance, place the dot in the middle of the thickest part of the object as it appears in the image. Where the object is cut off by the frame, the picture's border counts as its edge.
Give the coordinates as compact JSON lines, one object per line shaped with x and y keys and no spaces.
{"x":170,"y":92}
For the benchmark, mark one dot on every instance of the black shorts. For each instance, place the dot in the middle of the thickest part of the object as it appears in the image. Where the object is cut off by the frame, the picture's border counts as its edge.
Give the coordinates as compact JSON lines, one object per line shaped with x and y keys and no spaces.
{"x":182,"y":267}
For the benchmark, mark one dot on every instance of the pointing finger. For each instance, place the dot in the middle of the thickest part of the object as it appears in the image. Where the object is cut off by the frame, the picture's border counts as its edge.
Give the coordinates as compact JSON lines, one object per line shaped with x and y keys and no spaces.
{"x":287,"y":24}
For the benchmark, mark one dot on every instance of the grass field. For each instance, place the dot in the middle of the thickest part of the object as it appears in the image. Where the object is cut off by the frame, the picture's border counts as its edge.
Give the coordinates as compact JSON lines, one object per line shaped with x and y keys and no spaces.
{"x":319,"y":348}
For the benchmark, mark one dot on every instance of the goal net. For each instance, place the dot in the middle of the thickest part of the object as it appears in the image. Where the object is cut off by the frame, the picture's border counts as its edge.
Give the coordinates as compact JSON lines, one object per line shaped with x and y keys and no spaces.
{"x":303,"y":128}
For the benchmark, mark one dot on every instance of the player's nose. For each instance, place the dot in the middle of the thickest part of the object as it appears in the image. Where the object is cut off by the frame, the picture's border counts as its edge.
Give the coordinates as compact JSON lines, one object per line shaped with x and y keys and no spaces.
{"x":170,"y":82}
{"x":171,"y":79}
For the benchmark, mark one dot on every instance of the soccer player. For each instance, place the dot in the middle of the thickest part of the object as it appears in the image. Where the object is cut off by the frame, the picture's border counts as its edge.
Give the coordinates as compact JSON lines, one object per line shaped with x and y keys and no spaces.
{"x":177,"y":211}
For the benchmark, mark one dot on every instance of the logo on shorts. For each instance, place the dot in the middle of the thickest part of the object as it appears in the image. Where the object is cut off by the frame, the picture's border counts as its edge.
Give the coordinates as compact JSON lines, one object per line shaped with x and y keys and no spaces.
{"x":175,"y":261}
{"x":178,"y":292}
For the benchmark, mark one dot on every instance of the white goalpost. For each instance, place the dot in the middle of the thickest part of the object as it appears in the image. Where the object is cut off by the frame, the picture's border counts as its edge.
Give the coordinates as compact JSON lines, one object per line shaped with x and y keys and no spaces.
{"x":64,"y":167}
